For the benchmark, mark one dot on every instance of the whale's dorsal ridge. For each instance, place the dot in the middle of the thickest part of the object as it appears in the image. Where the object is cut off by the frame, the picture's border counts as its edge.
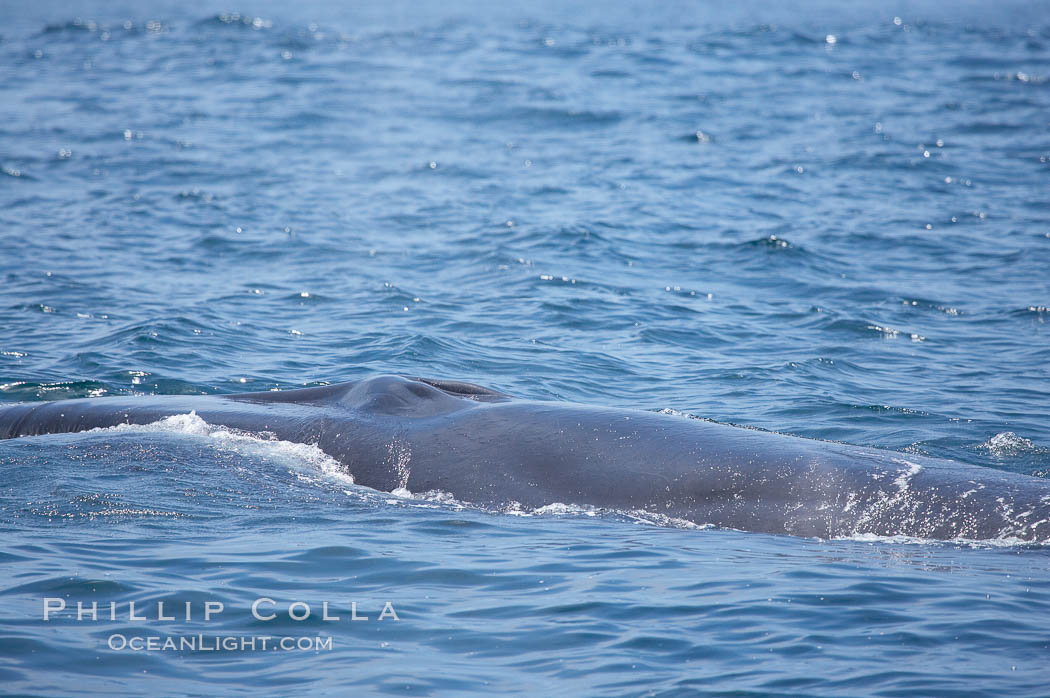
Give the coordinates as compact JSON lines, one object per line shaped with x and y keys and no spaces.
{"x":405,"y":396}
{"x":464,"y":389}
{"x":380,"y":393}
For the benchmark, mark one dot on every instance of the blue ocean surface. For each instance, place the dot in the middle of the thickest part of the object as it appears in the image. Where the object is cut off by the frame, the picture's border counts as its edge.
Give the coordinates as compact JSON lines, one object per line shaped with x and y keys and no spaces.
{"x":824,"y":219}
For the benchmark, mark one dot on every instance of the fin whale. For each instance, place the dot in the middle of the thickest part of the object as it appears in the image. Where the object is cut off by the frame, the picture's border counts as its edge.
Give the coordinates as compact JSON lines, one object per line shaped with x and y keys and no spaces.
{"x":489,"y":448}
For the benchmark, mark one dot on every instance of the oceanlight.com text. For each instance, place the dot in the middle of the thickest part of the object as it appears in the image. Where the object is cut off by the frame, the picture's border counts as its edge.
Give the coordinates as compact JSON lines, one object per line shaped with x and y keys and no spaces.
{"x":218,"y":643}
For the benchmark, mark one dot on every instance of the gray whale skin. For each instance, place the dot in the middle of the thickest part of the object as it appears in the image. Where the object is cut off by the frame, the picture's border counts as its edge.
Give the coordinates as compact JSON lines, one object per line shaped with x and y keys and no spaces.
{"x":488,"y":448}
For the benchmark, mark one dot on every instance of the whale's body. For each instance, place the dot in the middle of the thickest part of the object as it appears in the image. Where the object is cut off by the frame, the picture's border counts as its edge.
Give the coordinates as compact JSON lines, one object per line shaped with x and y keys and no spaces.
{"x":491,"y":449}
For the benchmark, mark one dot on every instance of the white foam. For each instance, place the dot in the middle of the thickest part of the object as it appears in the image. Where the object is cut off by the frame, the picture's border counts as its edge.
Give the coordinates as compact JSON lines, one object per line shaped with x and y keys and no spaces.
{"x":915,"y":540}
{"x":640,"y":516}
{"x":1008,"y":443}
{"x":431,"y":499}
{"x":265,"y":444}
{"x":562,"y":509}
{"x":905,"y":476}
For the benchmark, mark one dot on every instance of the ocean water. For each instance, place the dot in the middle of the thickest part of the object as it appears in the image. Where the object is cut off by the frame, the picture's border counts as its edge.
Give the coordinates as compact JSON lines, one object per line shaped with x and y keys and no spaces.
{"x":825,"y":219}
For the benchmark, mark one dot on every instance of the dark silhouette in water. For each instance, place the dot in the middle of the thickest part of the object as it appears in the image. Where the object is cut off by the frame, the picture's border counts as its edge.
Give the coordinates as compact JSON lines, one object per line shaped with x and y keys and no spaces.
{"x":489,"y":448}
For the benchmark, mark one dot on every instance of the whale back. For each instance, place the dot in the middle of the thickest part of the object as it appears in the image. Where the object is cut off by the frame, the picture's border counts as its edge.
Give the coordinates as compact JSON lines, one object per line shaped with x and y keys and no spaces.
{"x":482,"y":446}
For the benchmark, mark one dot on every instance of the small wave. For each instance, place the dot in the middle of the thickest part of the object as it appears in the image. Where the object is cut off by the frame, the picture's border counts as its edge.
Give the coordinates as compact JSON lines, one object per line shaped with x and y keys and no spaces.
{"x":85,"y":26}
{"x":236,"y":19}
{"x":75,"y":25}
{"x":891,"y":333}
{"x":51,"y":512}
{"x":1021,"y":76}
{"x":561,"y":117}
{"x":15,"y":172}
{"x":697,"y":137}
{"x":770,"y":242}
{"x":931,"y":305}
{"x":863,"y":328}
{"x":33,"y":391}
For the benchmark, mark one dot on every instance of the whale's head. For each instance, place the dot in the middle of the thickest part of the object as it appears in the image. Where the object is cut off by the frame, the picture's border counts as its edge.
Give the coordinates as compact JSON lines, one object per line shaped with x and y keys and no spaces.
{"x":404,"y":396}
